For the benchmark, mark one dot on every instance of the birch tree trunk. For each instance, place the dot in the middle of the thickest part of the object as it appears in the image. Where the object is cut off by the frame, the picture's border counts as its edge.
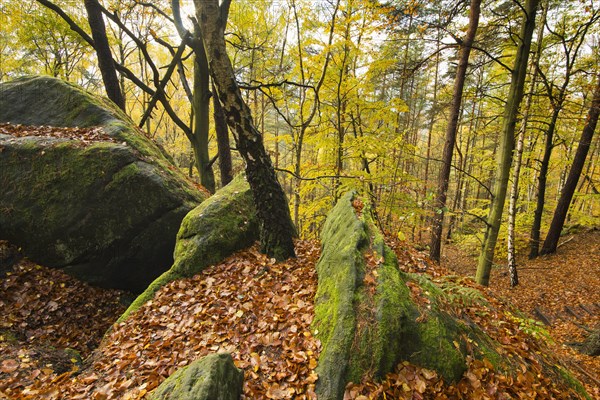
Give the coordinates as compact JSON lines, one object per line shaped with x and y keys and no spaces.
{"x":514,"y":190}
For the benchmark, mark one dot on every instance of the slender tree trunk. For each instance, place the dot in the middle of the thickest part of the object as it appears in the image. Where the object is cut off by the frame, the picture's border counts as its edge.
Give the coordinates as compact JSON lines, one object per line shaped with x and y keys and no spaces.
{"x":201,"y":105}
{"x":222,"y":133}
{"x":105,"y":60}
{"x":562,"y":208}
{"x":275,"y":225}
{"x":432,"y":119}
{"x":514,"y":190}
{"x":200,"y":101}
{"x":534,"y":240}
{"x":507,"y":144}
{"x":444,"y":177}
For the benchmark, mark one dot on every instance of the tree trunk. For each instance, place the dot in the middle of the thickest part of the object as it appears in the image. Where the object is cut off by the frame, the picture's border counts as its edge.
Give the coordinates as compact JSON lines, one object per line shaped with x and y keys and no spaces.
{"x":105,"y":60}
{"x":222,"y":140}
{"x":534,"y":240}
{"x":275,"y":225}
{"x":562,"y":208}
{"x":444,"y":177}
{"x":514,"y":190}
{"x":507,"y":144}
{"x":201,"y":105}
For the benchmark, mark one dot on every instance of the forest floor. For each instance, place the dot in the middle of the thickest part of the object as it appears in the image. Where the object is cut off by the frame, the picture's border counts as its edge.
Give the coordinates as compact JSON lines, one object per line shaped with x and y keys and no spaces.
{"x":560,"y":290}
{"x":261,"y":311}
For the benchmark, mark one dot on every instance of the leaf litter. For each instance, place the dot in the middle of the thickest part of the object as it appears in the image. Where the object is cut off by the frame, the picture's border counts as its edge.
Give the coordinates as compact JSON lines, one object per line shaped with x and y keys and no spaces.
{"x":260,"y":311}
{"x":83,"y":136}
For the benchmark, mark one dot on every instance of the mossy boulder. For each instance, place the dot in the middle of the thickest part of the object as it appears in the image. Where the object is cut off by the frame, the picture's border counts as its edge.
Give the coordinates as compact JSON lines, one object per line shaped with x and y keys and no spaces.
{"x":105,"y":212}
{"x":213,"y":377}
{"x":365,"y":316}
{"x":224,"y":223}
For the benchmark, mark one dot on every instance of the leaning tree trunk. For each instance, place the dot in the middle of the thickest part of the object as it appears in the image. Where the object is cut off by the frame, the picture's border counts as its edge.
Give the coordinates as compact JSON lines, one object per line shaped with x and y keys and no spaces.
{"x":514,"y":190}
{"x":275,"y":225}
{"x":562,"y":208}
{"x":444,"y":177}
{"x":105,"y":60}
{"x":507,"y":144}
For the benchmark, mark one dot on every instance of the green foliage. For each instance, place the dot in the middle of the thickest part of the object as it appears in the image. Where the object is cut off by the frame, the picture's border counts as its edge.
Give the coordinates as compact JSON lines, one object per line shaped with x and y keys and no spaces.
{"x":458,"y":294}
{"x":374,"y":123}
{"x":532,"y":327}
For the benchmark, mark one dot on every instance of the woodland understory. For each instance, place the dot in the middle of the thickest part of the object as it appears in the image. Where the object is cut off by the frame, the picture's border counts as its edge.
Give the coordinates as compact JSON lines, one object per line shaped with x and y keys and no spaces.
{"x":46,"y":310}
{"x":469,"y":125}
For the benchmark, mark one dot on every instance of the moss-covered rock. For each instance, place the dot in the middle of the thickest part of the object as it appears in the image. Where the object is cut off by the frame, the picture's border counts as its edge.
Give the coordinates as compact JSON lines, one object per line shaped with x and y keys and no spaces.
{"x":340,"y":271}
{"x":365,"y":316}
{"x":213,"y":377}
{"x":221,"y":225}
{"x":106,"y":212}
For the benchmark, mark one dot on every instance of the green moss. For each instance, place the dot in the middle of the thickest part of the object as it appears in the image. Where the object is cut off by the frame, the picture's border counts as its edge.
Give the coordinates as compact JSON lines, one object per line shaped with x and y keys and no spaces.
{"x":221,"y":225}
{"x":99,"y":210}
{"x":571,"y":381}
{"x":209,"y":378}
{"x":365,"y":333}
{"x":148,"y":294}
{"x":340,"y":272}
{"x":438,"y":346}
{"x":8,"y":336}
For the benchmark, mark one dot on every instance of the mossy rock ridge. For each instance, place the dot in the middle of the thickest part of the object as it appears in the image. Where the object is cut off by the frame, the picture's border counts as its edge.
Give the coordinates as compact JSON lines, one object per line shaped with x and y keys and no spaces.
{"x":213,"y":377}
{"x":224,"y":223}
{"x":365,"y":316}
{"x":105,"y":212}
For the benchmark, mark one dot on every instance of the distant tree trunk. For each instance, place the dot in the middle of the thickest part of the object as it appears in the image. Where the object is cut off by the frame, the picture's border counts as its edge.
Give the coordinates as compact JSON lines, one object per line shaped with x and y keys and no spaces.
{"x":105,"y":60}
{"x":432,"y":119}
{"x":562,"y":208}
{"x":444,"y":177}
{"x":571,"y":48}
{"x":534,"y":240}
{"x":275,"y":225}
{"x":507,"y":144}
{"x":222,"y":140}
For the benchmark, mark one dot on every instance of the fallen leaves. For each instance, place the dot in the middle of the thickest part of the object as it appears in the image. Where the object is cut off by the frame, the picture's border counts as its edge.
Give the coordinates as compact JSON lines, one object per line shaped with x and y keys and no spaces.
{"x":565,"y":288}
{"x":85,"y":136}
{"x":45,"y":306}
{"x":258,"y":310}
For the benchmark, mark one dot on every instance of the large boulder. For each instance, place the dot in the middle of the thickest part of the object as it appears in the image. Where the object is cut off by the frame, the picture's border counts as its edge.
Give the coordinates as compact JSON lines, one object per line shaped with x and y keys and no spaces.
{"x":213,"y":377}
{"x":221,"y":225}
{"x":370,"y":316}
{"x":364,"y":314}
{"x":106,"y":212}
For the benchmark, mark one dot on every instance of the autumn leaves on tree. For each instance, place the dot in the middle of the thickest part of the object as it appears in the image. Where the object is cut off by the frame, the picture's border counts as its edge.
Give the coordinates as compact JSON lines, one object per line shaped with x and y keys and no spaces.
{"x":412,"y":103}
